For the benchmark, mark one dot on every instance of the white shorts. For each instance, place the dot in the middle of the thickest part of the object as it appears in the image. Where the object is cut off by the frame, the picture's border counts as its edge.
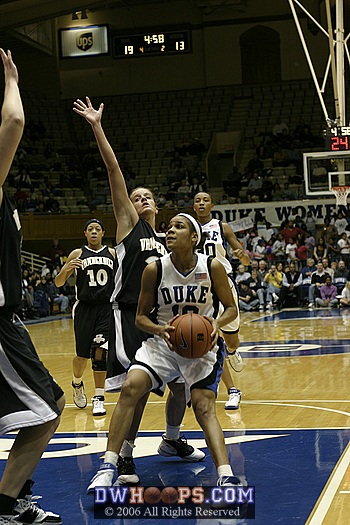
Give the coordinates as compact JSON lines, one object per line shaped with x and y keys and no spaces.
{"x":164,"y":366}
{"x":233,"y":326}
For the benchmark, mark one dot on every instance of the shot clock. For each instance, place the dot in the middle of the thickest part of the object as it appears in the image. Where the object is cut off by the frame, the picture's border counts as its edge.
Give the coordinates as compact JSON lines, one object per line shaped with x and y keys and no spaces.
{"x":338,"y":138}
{"x":152,"y":43}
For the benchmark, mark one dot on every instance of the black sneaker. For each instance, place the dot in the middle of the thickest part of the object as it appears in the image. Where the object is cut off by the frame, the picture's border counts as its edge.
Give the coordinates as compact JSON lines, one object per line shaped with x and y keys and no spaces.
{"x":126,"y":472}
{"x":179,"y":447}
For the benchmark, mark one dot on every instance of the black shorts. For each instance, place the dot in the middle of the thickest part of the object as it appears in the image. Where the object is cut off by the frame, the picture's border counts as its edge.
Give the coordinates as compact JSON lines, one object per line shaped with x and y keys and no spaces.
{"x":91,"y":326}
{"x":28,"y":391}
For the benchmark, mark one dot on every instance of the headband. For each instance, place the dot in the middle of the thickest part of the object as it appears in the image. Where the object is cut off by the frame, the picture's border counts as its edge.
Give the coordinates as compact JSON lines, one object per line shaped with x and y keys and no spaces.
{"x":195,"y":224}
{"x":94,"y":220}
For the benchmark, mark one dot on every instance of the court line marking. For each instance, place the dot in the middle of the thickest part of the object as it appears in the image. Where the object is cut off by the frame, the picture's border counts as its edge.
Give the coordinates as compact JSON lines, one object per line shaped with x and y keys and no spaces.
{"x":327,"y":496}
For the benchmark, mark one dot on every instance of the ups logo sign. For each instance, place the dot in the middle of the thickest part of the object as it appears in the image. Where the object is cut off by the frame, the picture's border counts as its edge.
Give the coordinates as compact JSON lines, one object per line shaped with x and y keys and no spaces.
{"x":85,"y":41}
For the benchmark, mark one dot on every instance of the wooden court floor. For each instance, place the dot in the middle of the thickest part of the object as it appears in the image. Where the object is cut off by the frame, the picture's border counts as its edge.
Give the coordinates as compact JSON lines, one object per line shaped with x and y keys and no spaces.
{"x":295,"y":378}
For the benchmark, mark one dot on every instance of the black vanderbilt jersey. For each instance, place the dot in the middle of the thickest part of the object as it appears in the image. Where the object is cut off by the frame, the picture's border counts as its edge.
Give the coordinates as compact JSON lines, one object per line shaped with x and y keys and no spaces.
{"x":10,"y":256}
{"x":141,"y":247}
{"x":95,"y":279}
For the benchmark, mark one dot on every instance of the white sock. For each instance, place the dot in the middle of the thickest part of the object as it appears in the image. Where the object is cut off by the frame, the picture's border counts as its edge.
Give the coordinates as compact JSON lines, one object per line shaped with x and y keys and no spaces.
{"x":111,"y":457}
{"x":225,"y":470}
{"x":99,"y":391}
{"x":172,"y":432}
{"x":77,"y":380}
{"x":127,"y":448}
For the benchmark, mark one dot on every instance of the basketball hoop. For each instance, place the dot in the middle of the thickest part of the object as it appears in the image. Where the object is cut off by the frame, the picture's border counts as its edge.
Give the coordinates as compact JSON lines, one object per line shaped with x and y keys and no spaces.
{"x":341,"y":194}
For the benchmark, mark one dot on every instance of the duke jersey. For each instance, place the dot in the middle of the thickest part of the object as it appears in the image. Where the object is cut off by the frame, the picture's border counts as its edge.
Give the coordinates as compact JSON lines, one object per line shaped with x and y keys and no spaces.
{"x":215,"y":244}
{"x":95,"y":279}
{"x":180,"y":294}
{"x":10,"y":257}
{"x":141,"y":247}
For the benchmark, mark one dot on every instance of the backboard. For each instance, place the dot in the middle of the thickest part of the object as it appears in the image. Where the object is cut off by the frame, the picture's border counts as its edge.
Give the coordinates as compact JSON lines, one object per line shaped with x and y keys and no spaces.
{"x":324,"y":170}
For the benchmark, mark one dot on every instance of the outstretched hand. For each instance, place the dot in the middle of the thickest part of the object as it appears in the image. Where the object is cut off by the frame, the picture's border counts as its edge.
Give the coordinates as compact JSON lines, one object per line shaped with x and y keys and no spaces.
{"x":93,"y":116}
{"x":10,"y":68}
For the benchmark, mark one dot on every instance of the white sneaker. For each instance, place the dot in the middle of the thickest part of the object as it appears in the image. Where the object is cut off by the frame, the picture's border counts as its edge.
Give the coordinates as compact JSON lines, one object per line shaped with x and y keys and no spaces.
{"x":236,"y":361}
{"x":180,"y":447}
{"x":79,"y":397}
{"x":225,"y":481}
{"x":30,"y":512}
{"x":310,"y":305}
{"x":261,"y":308}
{"x":269,"y":306}
{"x":275,"y":297}
{"x":98,"y":407}
{"x":103,"y":478}
{"x":234,"y":399}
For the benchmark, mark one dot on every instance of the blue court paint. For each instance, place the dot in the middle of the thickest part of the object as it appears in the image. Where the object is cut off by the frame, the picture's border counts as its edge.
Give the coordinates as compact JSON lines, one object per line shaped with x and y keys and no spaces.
{"x":288,"y":471}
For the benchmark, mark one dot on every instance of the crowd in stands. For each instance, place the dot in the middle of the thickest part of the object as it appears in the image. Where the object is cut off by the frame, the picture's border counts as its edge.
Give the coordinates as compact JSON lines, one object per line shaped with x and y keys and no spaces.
{"x":295,"y":266}
{"x":40,"y":295}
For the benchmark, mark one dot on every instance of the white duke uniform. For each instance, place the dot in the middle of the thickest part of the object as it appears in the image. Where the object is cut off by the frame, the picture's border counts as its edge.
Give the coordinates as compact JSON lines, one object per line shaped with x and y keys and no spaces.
{"x":215,"y":246}
{"x":180,"y":294}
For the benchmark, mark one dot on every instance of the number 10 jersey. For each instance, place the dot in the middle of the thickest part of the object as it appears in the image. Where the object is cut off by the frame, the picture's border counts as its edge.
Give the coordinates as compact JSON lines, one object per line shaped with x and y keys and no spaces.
{"x":95,"y":280}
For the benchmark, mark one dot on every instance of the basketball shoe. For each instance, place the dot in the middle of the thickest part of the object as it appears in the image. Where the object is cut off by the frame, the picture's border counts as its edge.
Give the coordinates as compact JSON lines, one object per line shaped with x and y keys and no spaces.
{"x":98,"y":407}
{"x":10,"y":519}
{"x":30,"y":512}
{"x":225,"y":481}
{"x":103,"y":478}
{"x":179,"y":447}
{"x":236,"y":361}
{"x":79,"y":397}
{"x":234,"y":399}
{"x":126,"y":472}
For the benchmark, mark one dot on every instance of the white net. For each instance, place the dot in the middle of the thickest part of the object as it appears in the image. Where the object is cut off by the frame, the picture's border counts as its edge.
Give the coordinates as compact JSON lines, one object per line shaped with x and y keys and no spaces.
{"x":341,"y":194}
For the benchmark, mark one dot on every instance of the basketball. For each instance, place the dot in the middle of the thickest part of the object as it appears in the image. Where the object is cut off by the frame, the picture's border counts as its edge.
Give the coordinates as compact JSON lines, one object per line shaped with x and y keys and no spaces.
{"x":152,"y":495}
{"x":169,"y":495}
{"x":191,"y":337}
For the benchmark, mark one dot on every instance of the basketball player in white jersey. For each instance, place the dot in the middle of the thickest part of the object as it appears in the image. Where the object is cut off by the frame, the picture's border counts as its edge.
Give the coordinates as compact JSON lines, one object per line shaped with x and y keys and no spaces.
{"x":204,"y":286}
{"x":219,"y":234}
{"x":137,"y":244}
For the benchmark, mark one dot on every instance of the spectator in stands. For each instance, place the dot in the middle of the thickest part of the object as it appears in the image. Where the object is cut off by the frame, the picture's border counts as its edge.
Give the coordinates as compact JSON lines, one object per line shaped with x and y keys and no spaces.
{"x":273,"y":280}
{"x":306,"y":274}
{"x":345,"y":295}
{"x":328,"y":292}
{"x":263,"y":269}
{"x":185,"y":201}
{"x":51,"y":204}
{"x":279,"y":128}
{"x":277,"y":192}
{"x":291,"y":286}
{"x":254,"y":165}
{"x":57,"y":253}
{"x":255,"y":186}
{"x":247,"y":297}
{"x":301,"y":252}
{"x":23,"y":180}
{"x":174,"y":175}
{"x":195,"y":187}
{"x":344,"y":247}
{"x":162,"y":228}
{"x":30,"y":203}
{"x":46,"y":186}
{"x":260,"y":250}
{"x":98,"y":197}
{"x":183,"y":189}
{"x":333,"y":250}
{"x":310,"y":224}
{"x":287,"y":193}
{"x":319,"y":174}
{"x":329,"y":230}
{"x":291,"y":250}
{"x":41,"y":297}
{"x":341,"y":276}
{"x":257,"y":285}
{"x":340,"y":223}
{"x":318,"y":278}
{"x":327,"y":268}
{"x":56,"y":297}
{"x":279,"y":248}
{"x":291,"y":231}
{"x":242,"y":274}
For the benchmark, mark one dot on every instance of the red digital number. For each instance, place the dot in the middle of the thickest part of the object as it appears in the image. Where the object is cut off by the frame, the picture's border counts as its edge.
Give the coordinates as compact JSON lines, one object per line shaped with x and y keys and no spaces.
{"x":339,"y":143}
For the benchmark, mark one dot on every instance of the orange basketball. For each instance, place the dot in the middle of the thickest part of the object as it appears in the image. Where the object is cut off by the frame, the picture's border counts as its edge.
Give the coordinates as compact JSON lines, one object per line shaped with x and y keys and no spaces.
{"x":152,"y":495}
{"x":191,"y":337}
{"x":169,"y":495}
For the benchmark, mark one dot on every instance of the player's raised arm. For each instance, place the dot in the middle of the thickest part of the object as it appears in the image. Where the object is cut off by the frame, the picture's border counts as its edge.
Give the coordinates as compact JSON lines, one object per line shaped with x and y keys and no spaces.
{"x":12,"y":117}
{"x":124,"y":211}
